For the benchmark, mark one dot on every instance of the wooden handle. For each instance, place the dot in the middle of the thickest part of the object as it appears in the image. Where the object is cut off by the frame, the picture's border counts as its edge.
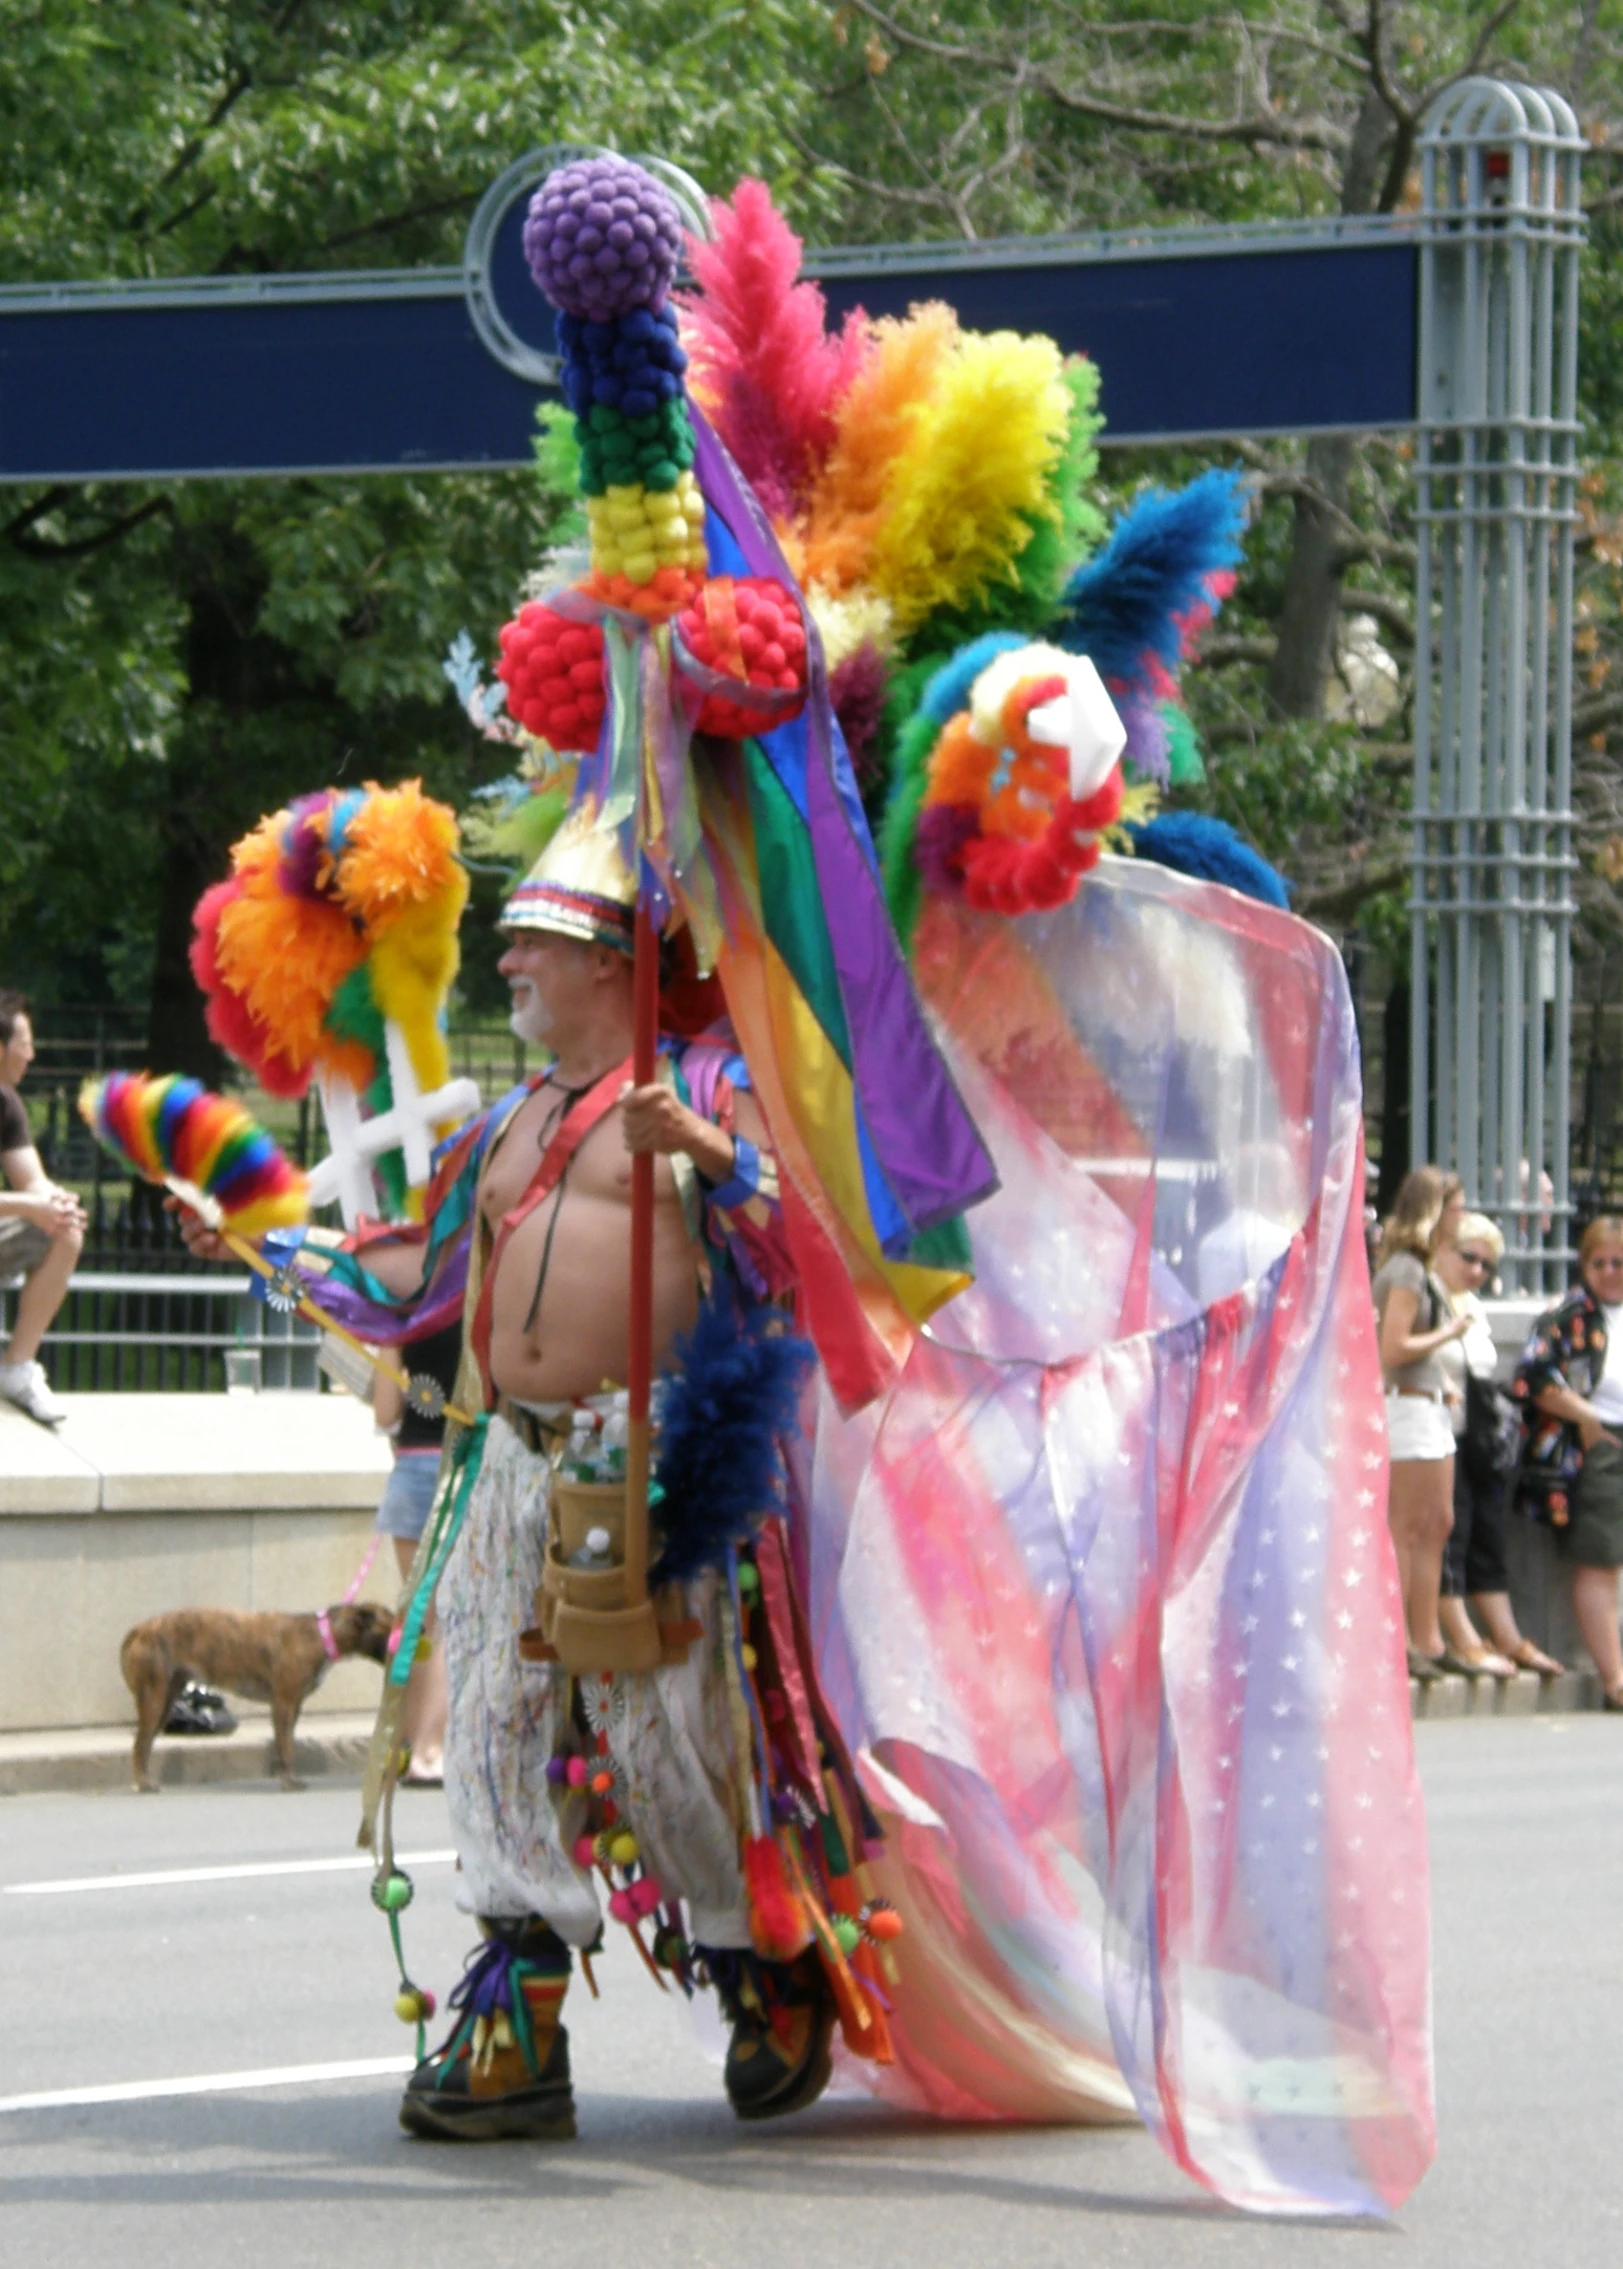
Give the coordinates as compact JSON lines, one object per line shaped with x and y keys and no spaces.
{"x":640,"y":1331}
{"x":312,"y":1314}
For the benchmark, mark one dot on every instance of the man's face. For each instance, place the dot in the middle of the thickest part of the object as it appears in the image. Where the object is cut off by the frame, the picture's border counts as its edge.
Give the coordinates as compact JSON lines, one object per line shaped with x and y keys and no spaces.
{"x":18,"y":1052}
{"x":552,"y":980}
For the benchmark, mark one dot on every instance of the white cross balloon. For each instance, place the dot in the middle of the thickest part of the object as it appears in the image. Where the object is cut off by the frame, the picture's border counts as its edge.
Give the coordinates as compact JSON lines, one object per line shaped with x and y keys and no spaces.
{"x":411,"y":1125}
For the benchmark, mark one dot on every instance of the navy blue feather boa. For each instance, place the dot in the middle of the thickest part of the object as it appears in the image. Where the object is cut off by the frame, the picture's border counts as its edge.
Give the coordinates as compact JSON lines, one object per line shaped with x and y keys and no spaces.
{"x":734,"y":1394}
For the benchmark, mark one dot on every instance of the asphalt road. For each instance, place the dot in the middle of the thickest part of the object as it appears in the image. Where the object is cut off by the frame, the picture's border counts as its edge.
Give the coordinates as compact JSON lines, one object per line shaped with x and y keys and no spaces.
{"x":256,"y":1972}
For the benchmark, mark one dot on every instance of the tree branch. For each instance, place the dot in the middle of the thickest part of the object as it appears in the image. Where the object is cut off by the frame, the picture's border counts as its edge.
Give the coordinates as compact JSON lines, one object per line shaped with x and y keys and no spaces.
{"x":47,"y":501}
{"x":1392,"y":614}
{"x":1373,"y":43}
{"x":931,"y":199}
{"x":428,"y":212}
{"x":1214,"y":651}
{"x":1590,"y":716}
{"x":80,"y":547}
{"x":1336,"y":901}
{"x":1261,"y":127}
{"x":1281,"y":133}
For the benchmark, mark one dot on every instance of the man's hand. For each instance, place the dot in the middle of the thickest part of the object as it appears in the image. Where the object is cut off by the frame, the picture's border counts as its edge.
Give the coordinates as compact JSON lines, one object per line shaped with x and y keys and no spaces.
{"x":656,"y":1119}
{"x":57,"y":1212}
{"x":202,"y":1242}
{"x":1592,"y":1429}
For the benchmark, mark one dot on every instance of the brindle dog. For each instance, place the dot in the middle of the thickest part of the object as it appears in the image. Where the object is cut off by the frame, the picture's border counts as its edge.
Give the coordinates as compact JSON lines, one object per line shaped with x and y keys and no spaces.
{"x":267,"y":1658}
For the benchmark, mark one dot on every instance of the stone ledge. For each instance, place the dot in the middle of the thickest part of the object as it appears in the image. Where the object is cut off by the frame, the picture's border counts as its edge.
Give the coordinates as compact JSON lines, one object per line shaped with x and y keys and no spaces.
{"x":91,"y":1759}
{"x":142,"y":1453}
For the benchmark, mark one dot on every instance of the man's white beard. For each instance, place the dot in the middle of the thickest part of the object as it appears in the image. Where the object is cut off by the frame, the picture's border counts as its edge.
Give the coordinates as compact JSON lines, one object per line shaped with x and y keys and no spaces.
{"x":530,"y":1018}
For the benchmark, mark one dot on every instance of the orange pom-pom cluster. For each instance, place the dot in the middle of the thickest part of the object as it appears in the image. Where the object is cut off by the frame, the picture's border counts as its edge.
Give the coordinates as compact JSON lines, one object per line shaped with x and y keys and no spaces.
{"x":664,"y":594}
{"x":553,"y":671}
{"x":747,"y":628}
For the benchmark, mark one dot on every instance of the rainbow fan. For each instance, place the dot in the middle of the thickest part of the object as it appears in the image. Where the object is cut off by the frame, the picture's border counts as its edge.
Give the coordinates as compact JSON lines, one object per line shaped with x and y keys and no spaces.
{"x":203,"y":1146}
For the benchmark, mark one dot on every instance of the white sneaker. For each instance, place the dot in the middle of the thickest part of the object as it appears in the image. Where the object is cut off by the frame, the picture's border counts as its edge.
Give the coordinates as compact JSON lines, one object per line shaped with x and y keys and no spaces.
{"x":26,"y":1385}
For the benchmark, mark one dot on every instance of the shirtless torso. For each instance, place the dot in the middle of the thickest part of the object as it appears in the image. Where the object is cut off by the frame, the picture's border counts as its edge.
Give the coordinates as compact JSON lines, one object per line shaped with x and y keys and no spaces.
{"x":560,"y":1296}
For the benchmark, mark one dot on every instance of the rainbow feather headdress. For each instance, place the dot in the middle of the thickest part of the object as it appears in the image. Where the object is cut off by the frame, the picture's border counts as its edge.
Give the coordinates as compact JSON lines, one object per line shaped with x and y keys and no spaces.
{"x":680,"y":673}
{"x":203,"y":1146}
{"x":988,"y":665}
{"x":326,"y":957}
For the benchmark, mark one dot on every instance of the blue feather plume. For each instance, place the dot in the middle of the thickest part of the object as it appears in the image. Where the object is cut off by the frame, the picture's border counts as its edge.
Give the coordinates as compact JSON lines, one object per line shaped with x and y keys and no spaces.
{"x":735,"y":1393}
{"x":1126,"y":601}
{"x":1194,"y":844}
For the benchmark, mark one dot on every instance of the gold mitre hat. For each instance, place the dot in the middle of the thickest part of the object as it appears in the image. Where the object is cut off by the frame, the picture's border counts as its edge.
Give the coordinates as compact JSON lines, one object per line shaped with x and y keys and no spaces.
{"x":580,"y":886}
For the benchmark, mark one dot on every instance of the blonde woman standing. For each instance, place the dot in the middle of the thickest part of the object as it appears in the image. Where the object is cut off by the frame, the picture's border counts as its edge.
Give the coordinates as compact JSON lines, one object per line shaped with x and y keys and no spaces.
{"x":1486,"y":1447}
{"x":1414,"y":1323}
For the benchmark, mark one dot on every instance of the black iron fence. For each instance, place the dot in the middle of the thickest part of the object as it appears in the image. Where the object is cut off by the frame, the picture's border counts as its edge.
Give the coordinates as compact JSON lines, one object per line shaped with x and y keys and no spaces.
{"x":141,"y":1314}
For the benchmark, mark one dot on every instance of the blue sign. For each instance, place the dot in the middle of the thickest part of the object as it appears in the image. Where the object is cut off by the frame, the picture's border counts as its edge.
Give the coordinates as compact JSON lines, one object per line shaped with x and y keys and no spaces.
{"x":1197,"y":334}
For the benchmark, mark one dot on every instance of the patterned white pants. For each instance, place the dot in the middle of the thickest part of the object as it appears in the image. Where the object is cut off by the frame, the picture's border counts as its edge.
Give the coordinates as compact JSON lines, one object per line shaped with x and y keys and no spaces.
{"x":669,"y":1733}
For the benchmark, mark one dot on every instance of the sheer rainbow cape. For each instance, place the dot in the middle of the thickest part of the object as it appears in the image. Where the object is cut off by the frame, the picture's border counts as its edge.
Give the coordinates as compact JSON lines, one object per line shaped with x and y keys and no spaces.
{"x":1101,"y":1591}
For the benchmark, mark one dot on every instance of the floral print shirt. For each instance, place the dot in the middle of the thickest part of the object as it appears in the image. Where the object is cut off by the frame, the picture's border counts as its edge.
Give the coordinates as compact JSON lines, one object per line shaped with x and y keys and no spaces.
{"x":1567,"y":1347}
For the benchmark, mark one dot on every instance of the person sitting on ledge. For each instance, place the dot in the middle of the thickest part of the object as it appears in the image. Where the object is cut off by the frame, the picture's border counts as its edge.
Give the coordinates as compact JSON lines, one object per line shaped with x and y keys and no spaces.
{"x":42,"y":1227}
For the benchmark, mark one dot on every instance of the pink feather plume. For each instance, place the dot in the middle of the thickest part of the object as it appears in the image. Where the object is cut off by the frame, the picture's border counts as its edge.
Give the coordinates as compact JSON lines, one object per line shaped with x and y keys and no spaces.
{"x":763,"y":361}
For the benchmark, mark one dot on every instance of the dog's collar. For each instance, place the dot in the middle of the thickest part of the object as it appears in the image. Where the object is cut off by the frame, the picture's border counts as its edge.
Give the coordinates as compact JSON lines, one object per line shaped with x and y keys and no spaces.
{"x":328,"y":1642}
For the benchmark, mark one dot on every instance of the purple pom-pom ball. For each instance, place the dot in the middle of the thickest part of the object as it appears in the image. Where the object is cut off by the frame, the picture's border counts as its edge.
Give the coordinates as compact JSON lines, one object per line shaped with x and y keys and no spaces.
{"x":603,"y":237}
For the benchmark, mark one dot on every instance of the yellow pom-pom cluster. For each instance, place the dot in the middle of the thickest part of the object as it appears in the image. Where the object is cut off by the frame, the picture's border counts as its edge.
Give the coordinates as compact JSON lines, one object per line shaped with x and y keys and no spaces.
{"x":636,"y":531}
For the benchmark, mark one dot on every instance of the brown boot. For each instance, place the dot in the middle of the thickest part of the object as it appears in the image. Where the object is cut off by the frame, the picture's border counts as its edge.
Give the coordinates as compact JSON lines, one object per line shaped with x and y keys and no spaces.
{"x":782,"y":2017}
{"x":504,"y":2071}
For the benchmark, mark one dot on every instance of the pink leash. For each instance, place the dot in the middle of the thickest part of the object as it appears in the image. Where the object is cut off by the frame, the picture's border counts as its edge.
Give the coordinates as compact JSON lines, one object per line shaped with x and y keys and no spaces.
{"x":324,"y":1620}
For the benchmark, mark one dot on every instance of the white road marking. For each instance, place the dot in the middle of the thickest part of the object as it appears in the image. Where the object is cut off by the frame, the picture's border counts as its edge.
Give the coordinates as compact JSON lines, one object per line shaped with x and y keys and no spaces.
{"x":210,"y":2083}
{"x":221,"y":1874}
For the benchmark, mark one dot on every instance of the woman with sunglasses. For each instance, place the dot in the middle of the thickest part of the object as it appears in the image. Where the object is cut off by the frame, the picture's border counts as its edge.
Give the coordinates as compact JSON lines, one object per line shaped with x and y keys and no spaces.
{"x":1570,"y":1383}
{"x":1485,"y":1452}
{"x":1414,"y":1323}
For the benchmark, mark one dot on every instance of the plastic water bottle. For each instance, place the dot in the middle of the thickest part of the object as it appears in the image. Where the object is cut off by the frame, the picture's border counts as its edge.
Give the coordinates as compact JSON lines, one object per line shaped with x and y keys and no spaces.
{"x":596,"y":1554}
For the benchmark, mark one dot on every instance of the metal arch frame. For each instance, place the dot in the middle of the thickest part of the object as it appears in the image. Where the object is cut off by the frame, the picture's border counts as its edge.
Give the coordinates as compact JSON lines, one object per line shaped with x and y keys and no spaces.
{"x":527,"y":173}
{"x":1492,"y":907}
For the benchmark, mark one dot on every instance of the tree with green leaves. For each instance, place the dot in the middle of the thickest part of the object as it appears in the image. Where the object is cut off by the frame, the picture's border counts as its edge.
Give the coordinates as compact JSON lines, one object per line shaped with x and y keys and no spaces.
{"x":180,"y":659}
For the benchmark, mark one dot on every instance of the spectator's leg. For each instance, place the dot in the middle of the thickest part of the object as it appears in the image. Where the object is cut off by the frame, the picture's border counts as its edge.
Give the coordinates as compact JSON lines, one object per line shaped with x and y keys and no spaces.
{"x":1594,"y":1602}
{"x":42,"y":1295}
{"x":425,"y":1690}
{"x":1421,"y":1512}
{"x":1459,"y":1633}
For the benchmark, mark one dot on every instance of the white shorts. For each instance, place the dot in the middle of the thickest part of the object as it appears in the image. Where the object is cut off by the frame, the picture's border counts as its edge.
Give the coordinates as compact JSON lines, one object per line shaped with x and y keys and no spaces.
{"x":1417,"y":1427}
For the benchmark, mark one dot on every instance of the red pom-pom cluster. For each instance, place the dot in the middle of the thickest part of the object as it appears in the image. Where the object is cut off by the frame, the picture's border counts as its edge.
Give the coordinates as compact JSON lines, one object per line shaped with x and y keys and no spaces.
{"x":1005,"y":875}
{"x":553,"y":671}
{"x":747,"y":628}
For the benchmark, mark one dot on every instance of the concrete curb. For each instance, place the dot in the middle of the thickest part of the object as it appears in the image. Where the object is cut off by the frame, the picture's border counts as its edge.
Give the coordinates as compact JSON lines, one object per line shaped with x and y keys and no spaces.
{"x":1523,"y":1696}
{"x":97,"y":1758}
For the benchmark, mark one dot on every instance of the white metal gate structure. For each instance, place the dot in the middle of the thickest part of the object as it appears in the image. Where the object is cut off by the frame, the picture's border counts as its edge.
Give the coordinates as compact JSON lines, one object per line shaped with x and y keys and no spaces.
{"x":1492,"y":906}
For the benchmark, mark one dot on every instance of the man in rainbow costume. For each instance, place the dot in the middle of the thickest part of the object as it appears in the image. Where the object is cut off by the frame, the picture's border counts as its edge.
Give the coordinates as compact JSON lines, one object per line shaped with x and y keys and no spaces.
{"x":1032,"y":1715}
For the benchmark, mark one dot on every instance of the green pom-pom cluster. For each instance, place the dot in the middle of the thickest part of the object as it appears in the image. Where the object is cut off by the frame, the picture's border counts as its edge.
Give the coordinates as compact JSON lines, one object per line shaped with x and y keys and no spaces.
{"x":621,"y":452}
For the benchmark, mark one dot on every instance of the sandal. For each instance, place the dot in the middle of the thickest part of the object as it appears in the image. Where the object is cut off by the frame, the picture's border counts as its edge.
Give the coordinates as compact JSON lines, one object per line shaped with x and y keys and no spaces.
{"x":1428,"y":1668}
{"x":1612,"y":1700}
{"x":1476,"y":1662}
{"x":1527,"y":1656}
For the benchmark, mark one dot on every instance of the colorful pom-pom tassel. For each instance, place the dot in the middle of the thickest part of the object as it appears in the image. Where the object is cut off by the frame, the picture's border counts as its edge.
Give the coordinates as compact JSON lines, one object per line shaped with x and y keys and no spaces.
{"x":777,"y":1923}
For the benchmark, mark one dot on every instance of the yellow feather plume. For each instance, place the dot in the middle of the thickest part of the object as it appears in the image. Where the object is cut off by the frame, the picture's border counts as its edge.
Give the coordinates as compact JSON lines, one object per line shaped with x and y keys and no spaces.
{"x":860,"y":618}
{"x":414,"y":962}
{"x":960,"y":498}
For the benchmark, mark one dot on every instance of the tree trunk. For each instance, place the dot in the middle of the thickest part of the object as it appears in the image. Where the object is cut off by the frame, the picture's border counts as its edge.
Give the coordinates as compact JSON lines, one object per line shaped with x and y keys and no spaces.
{"x":218,"y":789}
{"x":177,"y":1036}
{"x":1307,"y":623}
